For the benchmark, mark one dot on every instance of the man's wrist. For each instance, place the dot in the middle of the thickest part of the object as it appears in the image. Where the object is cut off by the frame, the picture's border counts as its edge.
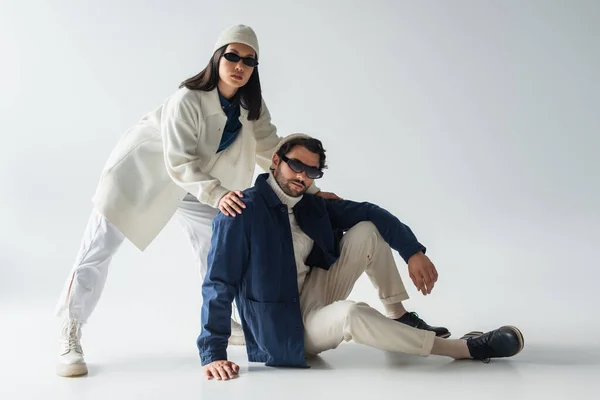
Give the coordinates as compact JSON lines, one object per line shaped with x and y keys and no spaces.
{"x":417,"y":254}
{"x":208,"y":358}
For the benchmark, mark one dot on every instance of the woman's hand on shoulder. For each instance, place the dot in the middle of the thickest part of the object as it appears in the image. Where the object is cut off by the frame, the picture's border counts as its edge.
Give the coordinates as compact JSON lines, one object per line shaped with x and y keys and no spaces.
{"x":232,"y":204}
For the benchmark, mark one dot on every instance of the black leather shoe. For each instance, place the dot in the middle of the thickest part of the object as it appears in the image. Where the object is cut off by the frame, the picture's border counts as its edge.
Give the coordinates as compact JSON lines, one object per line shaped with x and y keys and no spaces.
{"x":412,"y":319}
{"x":506,"y":341}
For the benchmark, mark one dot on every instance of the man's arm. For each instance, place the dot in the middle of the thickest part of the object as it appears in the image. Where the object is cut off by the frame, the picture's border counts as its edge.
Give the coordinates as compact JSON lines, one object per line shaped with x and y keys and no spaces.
{"x":344,"y":214}
{"x":227,"y":260}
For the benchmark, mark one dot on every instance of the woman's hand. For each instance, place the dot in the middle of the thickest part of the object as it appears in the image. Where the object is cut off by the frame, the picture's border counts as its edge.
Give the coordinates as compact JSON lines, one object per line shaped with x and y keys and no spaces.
{"x":232,"y":203}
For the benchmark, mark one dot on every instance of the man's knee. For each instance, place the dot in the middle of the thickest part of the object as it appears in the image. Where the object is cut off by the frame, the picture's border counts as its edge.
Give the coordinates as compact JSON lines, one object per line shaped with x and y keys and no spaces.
{"x":363,"y":236}
{"x":353,"y":317}
{"x":362,"y":230}
{"x":361,"y":233}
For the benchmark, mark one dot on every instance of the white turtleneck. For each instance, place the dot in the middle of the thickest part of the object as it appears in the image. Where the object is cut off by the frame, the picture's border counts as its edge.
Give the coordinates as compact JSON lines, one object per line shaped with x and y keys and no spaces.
{"x":302,"y":243}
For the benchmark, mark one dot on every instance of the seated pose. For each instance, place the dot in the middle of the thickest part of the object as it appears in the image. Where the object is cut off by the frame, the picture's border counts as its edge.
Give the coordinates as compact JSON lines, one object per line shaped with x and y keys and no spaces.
{"x":291,"y":259}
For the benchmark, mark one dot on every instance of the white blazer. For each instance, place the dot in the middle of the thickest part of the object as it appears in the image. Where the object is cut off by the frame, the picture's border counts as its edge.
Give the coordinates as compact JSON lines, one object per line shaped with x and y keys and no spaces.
{"x":172,"y":151}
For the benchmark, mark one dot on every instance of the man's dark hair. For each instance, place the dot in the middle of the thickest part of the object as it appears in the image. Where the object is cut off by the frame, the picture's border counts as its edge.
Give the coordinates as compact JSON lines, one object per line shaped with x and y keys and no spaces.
{"x":312,"y":145}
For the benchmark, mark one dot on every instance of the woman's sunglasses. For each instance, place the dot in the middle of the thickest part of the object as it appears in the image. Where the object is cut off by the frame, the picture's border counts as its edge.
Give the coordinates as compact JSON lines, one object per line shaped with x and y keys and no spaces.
{"x":235,"y":58}
{"x":299,"y":167}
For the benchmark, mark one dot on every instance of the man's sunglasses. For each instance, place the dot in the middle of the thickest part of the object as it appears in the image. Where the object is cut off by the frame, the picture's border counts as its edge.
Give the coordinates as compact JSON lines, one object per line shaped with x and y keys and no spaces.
{"x":299,"y":167}
{"x":235,"y":58}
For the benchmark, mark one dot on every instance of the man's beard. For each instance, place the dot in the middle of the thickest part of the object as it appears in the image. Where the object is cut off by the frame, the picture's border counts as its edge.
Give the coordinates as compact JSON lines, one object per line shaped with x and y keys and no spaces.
{"x":286,"y":185}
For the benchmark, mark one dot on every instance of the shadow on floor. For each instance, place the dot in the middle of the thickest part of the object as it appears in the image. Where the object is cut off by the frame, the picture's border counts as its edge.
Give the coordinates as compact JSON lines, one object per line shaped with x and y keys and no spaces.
{"x":559,"y":355}
{"x":356,"y":357}
{"x":146,"y":364}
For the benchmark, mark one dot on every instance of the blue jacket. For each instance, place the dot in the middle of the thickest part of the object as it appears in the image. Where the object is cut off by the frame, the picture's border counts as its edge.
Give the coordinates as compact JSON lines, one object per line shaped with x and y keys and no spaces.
{"x":252,"y":261}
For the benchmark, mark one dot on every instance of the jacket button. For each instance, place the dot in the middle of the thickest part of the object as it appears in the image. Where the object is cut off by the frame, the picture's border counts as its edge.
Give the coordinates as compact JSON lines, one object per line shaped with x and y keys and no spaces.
{"x":294,"y":300}
{"x":299,"y":329}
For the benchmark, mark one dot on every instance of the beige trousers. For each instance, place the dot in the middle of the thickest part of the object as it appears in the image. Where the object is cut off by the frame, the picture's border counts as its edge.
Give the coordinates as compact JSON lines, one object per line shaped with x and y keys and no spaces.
{"x":329,"y":318}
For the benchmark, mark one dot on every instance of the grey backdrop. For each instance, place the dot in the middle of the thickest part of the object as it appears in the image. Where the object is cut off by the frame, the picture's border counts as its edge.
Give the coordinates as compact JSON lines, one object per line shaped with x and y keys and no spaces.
{"x":476,"y":122}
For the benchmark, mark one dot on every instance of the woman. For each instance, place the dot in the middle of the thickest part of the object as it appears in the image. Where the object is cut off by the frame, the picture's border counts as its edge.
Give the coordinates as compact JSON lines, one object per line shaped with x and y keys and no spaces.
{"x":190,"y":158}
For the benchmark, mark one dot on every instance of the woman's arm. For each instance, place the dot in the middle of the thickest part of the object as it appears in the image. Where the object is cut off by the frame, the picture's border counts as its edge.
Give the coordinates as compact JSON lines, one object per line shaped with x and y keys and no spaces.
{"x":180,"y":129}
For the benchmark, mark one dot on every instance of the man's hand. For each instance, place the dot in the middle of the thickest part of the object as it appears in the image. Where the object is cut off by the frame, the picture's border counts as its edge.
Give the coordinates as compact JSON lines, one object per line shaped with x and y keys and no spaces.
{"x":221,"y":370}
{"x":422,"y":272}
{"x":328,"y":196}
{"x":231,"y":202}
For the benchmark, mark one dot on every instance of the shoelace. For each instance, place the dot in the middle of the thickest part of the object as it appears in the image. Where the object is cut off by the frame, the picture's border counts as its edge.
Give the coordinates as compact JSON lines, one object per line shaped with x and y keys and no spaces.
{"x":72,"y":343}
{"x":470,"y":337}
{"x":413,"y":316}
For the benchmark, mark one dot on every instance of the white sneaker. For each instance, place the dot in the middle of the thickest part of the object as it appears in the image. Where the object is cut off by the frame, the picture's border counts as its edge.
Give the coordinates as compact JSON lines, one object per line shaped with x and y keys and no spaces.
{"x":237,"y":334}
{"x":70,"y":361}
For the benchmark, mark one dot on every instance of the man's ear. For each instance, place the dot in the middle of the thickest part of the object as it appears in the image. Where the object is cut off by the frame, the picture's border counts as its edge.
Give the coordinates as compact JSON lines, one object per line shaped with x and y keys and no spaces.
{"x":276,"y":160}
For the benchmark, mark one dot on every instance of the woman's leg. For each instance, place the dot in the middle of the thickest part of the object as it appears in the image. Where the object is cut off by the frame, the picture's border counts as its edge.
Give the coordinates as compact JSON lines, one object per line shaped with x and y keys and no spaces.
{"x":196,"y":220}
{"x":83,"y":289}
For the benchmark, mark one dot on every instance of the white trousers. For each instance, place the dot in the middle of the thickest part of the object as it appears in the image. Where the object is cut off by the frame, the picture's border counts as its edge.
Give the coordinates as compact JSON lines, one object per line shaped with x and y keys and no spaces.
{"x":329,"y":318}
{"x":100,"y":242}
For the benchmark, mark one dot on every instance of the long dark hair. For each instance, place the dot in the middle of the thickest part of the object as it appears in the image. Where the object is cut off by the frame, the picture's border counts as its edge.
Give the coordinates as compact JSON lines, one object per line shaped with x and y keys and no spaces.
{"x":250,"y":94}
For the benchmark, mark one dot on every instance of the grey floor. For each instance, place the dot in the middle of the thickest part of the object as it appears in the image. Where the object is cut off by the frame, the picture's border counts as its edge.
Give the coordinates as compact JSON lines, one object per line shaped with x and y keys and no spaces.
{"x":143,"y":357}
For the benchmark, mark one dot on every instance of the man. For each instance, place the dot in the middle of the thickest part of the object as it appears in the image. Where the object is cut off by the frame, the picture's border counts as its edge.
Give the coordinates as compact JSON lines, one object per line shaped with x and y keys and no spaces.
{"x":290,"y":260}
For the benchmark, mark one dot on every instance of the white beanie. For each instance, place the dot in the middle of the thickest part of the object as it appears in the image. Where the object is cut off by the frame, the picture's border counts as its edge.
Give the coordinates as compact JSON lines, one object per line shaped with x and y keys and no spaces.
{"x":238,"y":34}
{"x":290,"y":137}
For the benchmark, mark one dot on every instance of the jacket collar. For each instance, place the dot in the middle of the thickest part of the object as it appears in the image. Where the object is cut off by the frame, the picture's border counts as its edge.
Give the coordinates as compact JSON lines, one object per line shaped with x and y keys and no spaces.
{"x":212,"y":105}
{"x":263,"y":187}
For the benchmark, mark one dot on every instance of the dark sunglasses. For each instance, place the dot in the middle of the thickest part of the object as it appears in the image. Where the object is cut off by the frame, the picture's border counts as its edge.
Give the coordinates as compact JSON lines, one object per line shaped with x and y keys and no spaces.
{"x":299,"y":167}
{"x":235,"y":58}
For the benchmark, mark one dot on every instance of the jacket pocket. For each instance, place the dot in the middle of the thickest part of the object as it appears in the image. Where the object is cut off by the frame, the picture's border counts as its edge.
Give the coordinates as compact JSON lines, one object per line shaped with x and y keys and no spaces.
{"x":266,"y":320}
{"x":278,"y":330}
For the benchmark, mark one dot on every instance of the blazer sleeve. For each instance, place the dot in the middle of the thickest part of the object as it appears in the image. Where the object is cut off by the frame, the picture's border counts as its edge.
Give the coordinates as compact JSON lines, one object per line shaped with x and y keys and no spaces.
{"x":227,"y":260}
{"x":344,"y":214}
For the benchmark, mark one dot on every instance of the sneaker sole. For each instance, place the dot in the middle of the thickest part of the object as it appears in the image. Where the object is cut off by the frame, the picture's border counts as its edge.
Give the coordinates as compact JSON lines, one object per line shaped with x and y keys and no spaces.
{"x":445,"y":336}
{"x":71,"y":370}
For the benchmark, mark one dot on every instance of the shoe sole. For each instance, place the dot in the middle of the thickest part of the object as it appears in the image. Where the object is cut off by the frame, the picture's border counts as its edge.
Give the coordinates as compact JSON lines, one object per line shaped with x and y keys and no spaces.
{"x":71,"y":370}
{"x":519,"y":336}
{"x":445,"y":336}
